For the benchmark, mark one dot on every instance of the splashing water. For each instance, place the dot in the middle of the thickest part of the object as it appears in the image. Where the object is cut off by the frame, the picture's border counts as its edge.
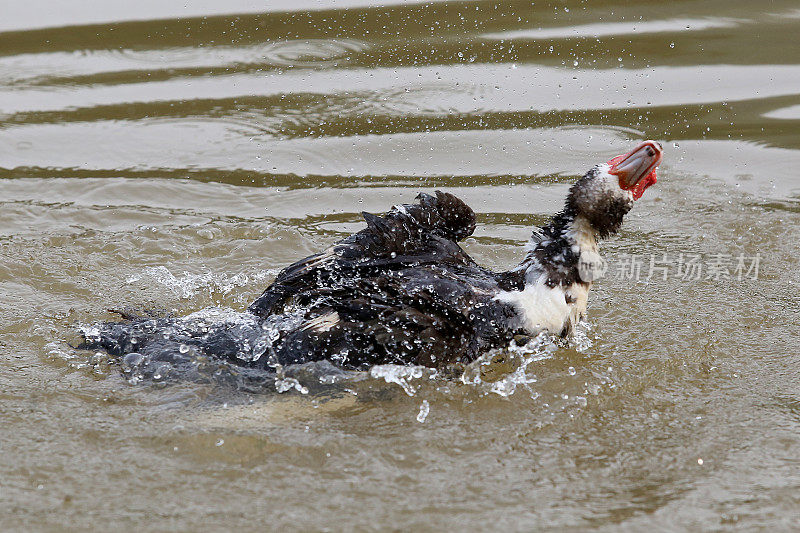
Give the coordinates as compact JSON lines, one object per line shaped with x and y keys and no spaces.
{"x":287,"y":384}
{"x":502,"y":371}
{"x":424,"y":410}
{"x":189,"y":285}
{"x":401,"y":375}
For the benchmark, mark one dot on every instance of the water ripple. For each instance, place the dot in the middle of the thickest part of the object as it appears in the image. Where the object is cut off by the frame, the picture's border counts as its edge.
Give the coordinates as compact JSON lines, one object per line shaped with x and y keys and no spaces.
{"x":605,"y":29}
{"x":469,"y":88}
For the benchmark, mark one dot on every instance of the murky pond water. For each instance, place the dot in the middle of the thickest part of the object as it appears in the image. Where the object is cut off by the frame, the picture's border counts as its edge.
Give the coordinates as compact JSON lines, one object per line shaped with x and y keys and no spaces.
{"x":174,"y":157}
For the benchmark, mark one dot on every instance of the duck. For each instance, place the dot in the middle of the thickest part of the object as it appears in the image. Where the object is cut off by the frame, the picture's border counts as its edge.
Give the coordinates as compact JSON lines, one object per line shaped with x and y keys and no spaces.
{"x":403,"y":291}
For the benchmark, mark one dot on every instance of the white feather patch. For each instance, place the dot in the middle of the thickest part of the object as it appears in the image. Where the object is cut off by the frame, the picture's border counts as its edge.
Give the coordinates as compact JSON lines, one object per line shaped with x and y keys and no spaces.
{"x":318,"y":262}
{"x":322,"y":323}
{"x":541,"y":308}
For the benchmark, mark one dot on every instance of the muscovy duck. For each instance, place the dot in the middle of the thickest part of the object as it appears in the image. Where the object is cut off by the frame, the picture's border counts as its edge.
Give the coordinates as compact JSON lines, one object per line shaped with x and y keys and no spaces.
{"x":403,"y":291}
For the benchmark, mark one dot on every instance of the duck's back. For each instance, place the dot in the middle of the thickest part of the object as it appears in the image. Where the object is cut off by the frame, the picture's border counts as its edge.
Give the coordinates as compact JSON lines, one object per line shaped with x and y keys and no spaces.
{"x":400,"y":291}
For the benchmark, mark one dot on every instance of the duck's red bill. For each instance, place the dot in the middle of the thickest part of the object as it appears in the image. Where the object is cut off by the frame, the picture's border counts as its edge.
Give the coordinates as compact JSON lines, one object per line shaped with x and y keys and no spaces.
{"x":636,"y":170}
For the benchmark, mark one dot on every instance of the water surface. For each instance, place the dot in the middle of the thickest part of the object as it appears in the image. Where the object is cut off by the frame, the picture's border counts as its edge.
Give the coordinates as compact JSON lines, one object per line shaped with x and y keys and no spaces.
{"x":173,"y":158}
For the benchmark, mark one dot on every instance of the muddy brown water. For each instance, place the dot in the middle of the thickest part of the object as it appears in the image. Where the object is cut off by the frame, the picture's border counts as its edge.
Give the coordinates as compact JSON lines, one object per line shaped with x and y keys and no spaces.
{"x":174,"y":156}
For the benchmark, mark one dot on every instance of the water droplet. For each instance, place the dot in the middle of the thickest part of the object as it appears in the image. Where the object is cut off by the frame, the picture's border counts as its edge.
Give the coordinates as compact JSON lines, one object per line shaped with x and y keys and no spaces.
{"x":131,"y":361}
{"x":672,"y":45}
{"x":424,"y":409}
{"x":183,"y":348}
{"x":571,"y":370}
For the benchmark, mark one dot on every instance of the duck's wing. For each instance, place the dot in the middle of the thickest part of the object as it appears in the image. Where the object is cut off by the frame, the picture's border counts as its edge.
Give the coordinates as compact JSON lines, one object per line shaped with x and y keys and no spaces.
{"x":431,"y":315}
{"x":410,"y":234}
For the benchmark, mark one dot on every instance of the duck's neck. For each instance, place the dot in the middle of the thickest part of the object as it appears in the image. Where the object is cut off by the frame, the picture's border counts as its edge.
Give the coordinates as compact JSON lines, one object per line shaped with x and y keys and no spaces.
{"x":557,"y":251}
{"x":552,"y":291}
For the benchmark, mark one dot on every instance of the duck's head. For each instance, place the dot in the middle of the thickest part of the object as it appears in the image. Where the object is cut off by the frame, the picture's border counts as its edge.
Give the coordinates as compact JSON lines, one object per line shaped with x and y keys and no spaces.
{"x":607,"y":192}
